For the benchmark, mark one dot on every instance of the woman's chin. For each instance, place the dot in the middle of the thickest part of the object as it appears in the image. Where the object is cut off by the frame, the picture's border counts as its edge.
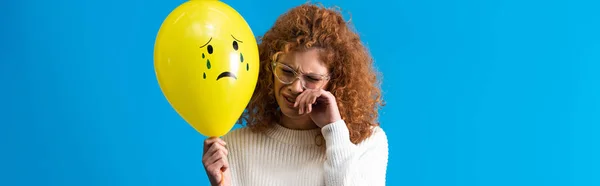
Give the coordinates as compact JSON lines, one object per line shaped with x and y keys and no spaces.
{"x":289,"y":112}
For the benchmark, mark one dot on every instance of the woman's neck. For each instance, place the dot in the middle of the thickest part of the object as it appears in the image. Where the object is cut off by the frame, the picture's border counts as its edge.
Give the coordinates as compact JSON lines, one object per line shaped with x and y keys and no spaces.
{"x":300,"y":123}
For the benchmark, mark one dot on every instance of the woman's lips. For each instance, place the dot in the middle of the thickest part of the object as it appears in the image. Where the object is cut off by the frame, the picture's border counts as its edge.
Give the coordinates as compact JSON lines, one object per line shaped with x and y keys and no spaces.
{"x":290,"y":101}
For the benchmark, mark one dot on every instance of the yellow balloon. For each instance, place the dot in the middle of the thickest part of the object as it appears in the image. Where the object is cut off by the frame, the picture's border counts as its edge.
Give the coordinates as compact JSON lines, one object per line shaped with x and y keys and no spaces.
{"x":206,"y":63}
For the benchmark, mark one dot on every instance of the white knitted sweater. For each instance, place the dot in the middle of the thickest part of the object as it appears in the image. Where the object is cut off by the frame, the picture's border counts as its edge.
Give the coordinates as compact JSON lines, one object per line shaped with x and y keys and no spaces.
{"x":286,"y":157}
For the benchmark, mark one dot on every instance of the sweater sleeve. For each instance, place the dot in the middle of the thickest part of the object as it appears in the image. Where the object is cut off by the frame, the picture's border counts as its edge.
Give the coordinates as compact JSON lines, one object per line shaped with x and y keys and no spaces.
{"x":350,"y":164}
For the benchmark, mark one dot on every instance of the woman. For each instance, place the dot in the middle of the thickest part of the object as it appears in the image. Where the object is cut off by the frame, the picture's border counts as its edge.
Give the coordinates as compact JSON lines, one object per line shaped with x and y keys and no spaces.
{"x":313,"y":117}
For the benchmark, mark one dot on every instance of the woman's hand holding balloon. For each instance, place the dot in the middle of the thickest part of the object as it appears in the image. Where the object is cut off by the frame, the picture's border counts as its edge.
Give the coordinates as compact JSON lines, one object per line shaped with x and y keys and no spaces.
{"x":215,"y":162}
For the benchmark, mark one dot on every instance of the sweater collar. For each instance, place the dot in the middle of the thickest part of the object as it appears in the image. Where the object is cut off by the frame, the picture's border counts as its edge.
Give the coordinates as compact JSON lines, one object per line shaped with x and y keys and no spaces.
{"x":293,"y":136}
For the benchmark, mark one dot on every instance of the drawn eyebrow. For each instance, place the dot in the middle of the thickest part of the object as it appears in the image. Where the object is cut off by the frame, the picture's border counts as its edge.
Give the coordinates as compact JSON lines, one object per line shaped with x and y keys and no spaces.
{"x":237,"y":39}
{"x":206,"y":42}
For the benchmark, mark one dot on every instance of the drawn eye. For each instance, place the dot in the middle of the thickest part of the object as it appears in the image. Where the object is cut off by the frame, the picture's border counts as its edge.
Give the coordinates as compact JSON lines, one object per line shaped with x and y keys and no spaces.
{"x":210,"y":49}
{"x":235,"y":45}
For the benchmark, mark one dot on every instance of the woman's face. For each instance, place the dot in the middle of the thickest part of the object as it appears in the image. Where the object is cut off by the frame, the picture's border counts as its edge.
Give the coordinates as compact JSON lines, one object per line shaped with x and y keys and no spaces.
{"x":295,"y":72}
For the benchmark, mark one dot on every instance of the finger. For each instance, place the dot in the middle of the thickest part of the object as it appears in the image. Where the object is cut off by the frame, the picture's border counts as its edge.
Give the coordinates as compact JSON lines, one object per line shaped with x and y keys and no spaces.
{"x":325,"y":97}
{"x":220,"y":141}
{"x":313,"y":101}
{"x":299,"y":100}
{"x":209,"y":141}
{"x":225,"y":164}
{"x":215,"y":171}
{"x":303,"y":103}
{"x":328,"y":95}
{"x":317,"y":96}
{"x":217,"y":156}
{"x":310,"y":100}
{"x":304,"y":100}
{"x":208,"y":156}
{"x":322,"y":98}
{"x":216,"y":148}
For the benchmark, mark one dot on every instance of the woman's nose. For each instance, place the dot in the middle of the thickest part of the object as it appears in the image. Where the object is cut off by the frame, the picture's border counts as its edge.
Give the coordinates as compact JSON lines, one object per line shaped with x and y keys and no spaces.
{"x":296,"y":86}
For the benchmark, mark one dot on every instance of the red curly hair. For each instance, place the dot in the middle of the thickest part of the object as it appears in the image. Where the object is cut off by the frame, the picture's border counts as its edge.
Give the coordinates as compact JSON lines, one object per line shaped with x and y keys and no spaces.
{"x":353,"y":82}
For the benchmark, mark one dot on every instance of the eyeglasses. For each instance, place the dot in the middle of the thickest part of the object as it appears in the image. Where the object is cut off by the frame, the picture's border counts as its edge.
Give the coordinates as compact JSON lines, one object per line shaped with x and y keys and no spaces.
{"x":287,"y":75}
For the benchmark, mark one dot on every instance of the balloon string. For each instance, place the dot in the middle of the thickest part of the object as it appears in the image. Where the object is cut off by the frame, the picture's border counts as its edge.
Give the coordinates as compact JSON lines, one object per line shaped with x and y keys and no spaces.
{"x":222,"y":173}
{"x":222,"y":178}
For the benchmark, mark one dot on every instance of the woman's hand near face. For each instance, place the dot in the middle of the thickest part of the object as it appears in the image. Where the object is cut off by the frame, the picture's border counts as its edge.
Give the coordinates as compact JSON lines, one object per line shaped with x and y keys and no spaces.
{"x":320,"y":105}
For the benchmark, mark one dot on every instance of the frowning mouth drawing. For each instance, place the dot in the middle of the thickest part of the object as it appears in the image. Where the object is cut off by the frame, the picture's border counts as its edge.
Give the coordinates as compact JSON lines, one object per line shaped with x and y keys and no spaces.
{"x":226,"y":74}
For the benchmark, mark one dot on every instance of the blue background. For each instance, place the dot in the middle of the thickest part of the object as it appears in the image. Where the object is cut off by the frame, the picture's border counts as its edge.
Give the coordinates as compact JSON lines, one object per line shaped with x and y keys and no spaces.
{"x":478,"y":92}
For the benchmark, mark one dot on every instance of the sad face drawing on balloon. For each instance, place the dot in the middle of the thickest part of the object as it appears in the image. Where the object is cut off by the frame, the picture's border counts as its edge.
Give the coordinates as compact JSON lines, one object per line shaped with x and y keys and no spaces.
{"x":206,"y":62}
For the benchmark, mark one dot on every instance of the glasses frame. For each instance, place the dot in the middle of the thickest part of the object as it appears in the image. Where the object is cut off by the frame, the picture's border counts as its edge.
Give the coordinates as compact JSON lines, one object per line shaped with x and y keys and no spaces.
{"x":298,"y":75}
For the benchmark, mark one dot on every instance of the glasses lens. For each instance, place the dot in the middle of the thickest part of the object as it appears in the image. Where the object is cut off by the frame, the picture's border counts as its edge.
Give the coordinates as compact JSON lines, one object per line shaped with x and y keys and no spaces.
{"x":312,"y":81}
{"x":284,"y":74}
{"x":287,"y":75}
